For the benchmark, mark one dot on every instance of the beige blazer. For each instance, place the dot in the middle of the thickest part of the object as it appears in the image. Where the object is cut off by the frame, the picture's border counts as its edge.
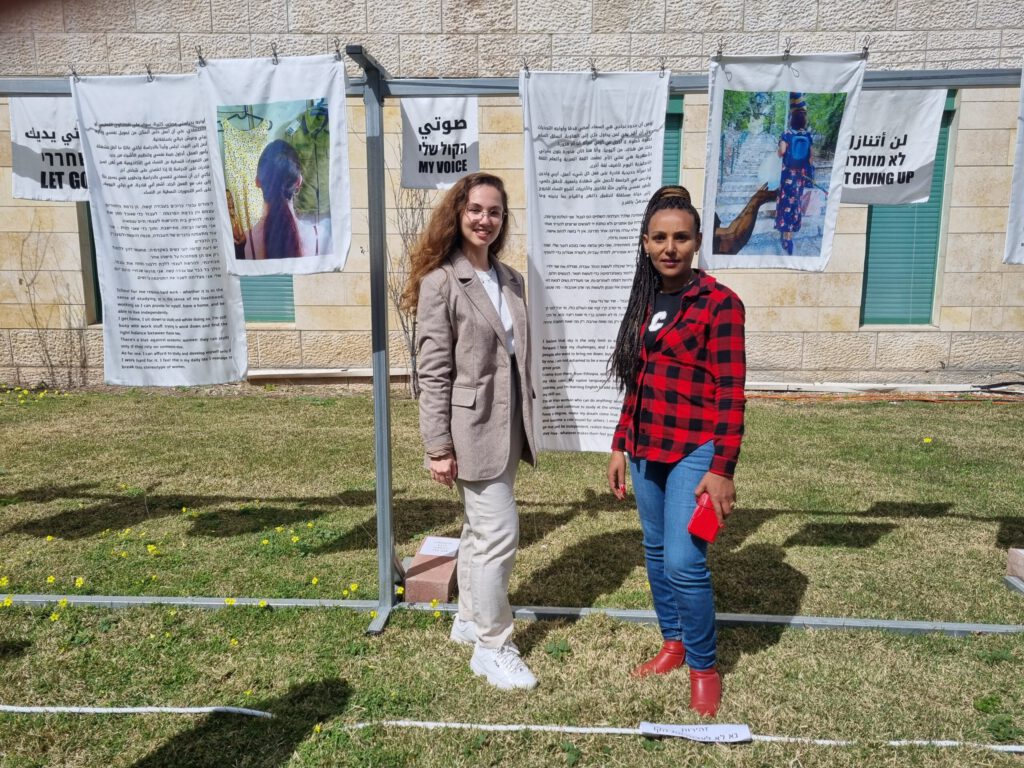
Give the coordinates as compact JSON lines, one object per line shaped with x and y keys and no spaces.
{"x":464,"y":369}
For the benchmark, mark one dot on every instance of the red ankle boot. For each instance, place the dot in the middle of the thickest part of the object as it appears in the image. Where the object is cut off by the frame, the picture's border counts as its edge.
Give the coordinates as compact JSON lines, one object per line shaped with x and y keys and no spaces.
{"x":705,"y":691}
{"x":670,"y":657}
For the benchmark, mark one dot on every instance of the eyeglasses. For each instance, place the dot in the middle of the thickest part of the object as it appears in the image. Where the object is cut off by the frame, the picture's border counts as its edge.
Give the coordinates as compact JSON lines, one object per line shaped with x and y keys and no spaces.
{"x":476,"y":212}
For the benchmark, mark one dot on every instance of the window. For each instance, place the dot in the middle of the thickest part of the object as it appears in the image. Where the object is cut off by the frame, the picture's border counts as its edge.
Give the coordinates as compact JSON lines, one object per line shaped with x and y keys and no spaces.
{"x":903,"y":251}
{"x":673,"y":152}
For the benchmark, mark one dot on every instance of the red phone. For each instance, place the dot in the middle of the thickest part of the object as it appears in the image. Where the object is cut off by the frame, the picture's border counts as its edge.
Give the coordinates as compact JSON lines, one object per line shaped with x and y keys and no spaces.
{"x":704,"y":523}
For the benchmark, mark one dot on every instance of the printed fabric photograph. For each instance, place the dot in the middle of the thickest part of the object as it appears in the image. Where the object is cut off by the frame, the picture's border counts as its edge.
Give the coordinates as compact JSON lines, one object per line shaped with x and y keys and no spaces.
{"x":276,"y":160}
{"x":775,"y":164}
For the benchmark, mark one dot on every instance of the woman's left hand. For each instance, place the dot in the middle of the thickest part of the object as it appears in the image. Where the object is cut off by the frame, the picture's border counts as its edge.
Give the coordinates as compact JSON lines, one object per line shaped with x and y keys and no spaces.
{"x":722,"y":492}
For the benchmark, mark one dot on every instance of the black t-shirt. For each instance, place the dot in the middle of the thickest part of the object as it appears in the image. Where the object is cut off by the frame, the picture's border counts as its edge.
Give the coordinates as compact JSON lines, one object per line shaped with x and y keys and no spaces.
{"x":666,"y":307}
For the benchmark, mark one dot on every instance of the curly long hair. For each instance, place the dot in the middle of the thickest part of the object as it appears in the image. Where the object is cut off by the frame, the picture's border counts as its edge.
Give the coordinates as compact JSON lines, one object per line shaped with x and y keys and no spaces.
{"x":625,"y":359}
{"x":443,"y":235}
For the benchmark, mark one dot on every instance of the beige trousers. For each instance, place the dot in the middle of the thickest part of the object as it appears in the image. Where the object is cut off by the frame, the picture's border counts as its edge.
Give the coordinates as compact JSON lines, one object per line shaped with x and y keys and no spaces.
{"x":487,"y":549}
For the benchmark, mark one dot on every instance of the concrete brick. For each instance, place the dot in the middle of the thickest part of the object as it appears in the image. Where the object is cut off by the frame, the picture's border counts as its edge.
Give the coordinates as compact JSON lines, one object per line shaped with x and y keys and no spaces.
{"x":804,"y":41}
{"x":839,"y":319}
{"x":964,"y":39}
{"x":981,"y":186}
{"x":32,"y":17}
{"x":971,"y":289}
{"x":99,"y":16}
{"x":9,"y":376}
{"x":1013,"y":319}
{"x":57,"y":347}
{"x":129,"y":54}
{"x":430,"y":578}
{"x":986,"y":318}
{"x":964,"y":219}
{"x":781,"y":319}
{"x":565,"y":46}
{"x":215,"y":46}
{"x":463,"y":16}
{"x":178,"y":16}
{"x":695,"y":120}
{"x":88,"y":52}
{"x":438,"y":55}
{"x":48,"y":251}
{"x":502,"y":55}
{"x":743,"y":43}
{"x":27,"y":219}
{"x":326,"y":289}
{"x":858,"y":14}
{"x":335,"y":349}
{"x":842,"y":351}
{"x":554,"y":15}
{"x":978,"y":351}
{"x":276,"y":349}
{"x":840,"y":289}
{"x":19,"y":55}
{"x":774,"y":350}
{"x":982,"y":147}
{"x":499,"y":152}
{"x":583,"y":63}
{"x":5,"y":148}
{"x":765,"y":15}
{"x":703,"y":16}
{"x":268,"y":17}
{"x":6,"y":358}
{"x":897,"y":59}
{"x":926,"y":14}
{"x":626,"y":16}
{"x":1012,"y":294}
{"x":291,"y":45}
{"x":229,"y":16}
{"x":321,"y":318}
{"x":924,"y":351}
{"x":955,"y":319}
{"x":1000,"y":14}
{"x":783,"y":290}
{"x":323,"y":15}
{"x":690,"y":65}
{"x":848,"y":252}
{"x":500,"y":120}
{"x":988,"y":116}
{"x":974,"y":252}
{"x":405,"y":17}
{"x":1015,"y":562}
{"x":946,"y":59}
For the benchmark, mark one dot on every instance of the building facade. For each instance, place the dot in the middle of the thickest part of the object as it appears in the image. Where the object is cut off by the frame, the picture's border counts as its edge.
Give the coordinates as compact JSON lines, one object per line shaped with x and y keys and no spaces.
{"x":851,"y":323}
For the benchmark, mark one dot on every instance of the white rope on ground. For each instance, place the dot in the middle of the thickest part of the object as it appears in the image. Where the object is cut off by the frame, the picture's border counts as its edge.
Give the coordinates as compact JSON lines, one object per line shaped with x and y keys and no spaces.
{"x":132,"y":710}
{"x":430,"y":725}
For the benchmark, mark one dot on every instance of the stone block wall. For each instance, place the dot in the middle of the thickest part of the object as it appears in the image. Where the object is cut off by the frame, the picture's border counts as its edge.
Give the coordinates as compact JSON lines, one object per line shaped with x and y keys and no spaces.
{"x":802,"y":326}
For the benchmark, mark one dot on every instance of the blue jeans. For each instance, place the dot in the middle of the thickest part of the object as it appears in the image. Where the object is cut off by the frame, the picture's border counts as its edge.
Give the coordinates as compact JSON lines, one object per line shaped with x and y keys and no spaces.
{"x":677,"y":567}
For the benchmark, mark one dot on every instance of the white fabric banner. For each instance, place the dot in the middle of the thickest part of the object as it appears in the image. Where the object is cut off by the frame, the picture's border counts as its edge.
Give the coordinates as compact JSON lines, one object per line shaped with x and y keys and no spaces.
{"x":46,"y":153}
{"x":891,"y":155}
{"x":440,"y":141}
{"x":1014,"y":253}
{"x":171,"y":315}
{"x":778,"y":133}
{"x":278,"y":134}
{"x":593,"y":160}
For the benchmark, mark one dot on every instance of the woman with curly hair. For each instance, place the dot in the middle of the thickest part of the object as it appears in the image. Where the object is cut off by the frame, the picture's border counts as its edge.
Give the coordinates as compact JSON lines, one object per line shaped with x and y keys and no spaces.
{"x":680,"y":357}
{"x":476,"y":404}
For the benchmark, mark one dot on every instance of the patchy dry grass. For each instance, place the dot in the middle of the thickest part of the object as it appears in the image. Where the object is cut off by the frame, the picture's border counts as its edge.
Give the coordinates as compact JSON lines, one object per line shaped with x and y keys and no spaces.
{"x":846,"y":510}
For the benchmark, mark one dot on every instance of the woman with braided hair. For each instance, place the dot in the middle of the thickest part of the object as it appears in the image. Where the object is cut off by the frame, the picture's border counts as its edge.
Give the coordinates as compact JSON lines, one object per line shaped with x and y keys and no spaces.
{"x":680,"y":357}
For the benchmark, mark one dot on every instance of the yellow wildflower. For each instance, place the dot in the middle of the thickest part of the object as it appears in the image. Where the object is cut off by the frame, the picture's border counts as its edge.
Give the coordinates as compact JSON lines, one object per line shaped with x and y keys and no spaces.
{"x":399,"y":590}
{"x":54,"y":616}
{"x":265,"y":542}
{"x":3,"y":581}
{"x":433,"y":603}
{"x":927,"y":440}
{"x":309,"y":525}
{"x":317,"y":728}
{"x":353,"y":587}
{"x":373,"y":614}
{"x":344,"y":593}
{"x":50,"y":579}
{"x":234,"y":641}
{"x":279,"y":528}
{"x":49,"y":538}
{"x":248,"y":692}
{"x":314,"y":581}
{"x":229,"y":601}
{"x":152,"y":549}
{"x":62,"y":603}
{"x":437,"y":614}
{"x":79,"y":582}
{"x":8,"y":602}
{"x":262,"y":604}
{"x":295,"y":539}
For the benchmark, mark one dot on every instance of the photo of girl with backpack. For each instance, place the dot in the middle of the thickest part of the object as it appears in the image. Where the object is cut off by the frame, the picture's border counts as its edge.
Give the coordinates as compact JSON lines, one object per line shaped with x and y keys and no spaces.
{"x":795,"y":149}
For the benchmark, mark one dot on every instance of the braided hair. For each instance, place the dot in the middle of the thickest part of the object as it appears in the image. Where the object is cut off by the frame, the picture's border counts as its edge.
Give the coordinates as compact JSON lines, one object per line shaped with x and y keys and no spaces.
{"x":625,"y":357}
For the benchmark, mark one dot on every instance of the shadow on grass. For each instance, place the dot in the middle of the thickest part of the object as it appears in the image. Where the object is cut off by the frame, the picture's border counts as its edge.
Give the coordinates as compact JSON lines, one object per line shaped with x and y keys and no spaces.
{"x":221,"y":740}
{"x":13,"y":649}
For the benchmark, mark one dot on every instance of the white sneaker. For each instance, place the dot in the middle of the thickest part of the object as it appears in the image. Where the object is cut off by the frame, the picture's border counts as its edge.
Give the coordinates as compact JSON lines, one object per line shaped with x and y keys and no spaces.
{"x":463,"y":632}
{"x":502,"y":667}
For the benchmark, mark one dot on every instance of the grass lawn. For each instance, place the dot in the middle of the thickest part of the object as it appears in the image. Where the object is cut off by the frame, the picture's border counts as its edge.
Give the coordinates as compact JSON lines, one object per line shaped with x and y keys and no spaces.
{"x":872,"y":509}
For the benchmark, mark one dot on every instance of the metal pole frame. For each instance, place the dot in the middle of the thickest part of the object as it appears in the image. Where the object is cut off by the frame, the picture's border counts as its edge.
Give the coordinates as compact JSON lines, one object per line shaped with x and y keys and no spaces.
{"x":374,"y":89}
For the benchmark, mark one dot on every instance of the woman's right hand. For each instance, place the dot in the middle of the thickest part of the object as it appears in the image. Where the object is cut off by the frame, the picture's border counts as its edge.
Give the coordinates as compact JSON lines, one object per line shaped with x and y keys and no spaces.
{"x":617,"y":474}
{"x":444,"y":470}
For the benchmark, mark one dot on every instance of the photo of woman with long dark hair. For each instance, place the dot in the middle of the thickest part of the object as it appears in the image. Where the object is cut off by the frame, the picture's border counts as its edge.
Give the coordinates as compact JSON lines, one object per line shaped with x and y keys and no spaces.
{"x":280,"y":233}
{"x":680,"y":358}
{"x":476,"y":404}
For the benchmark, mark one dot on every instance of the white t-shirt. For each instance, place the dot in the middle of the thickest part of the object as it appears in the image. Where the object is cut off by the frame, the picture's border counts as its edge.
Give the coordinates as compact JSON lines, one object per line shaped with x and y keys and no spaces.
{"x":493,"y":288}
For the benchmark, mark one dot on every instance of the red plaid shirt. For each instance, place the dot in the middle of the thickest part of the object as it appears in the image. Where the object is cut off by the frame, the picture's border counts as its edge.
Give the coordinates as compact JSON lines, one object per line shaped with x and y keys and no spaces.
{"x":690,"y":384}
